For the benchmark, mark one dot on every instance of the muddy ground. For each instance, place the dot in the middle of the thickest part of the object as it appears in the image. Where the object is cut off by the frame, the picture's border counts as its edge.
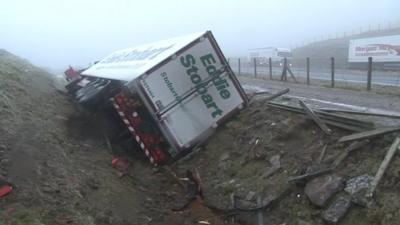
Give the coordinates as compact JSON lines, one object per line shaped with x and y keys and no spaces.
{"x":57,"y":159}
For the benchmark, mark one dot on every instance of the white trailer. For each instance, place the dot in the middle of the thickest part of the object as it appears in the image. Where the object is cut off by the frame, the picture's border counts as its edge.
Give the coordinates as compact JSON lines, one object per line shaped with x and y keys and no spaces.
{"x":277,"y":55}
{"x":182,"y":87}
{"x":384,"y":50}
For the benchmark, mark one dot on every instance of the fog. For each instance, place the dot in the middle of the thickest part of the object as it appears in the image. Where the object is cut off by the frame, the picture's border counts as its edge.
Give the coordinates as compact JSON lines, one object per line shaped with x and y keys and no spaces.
{"x":54,"y":34}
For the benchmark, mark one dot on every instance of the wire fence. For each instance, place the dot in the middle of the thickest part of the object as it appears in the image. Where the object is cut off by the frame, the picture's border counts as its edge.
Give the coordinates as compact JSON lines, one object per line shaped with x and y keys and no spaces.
{"x":332,"y":72}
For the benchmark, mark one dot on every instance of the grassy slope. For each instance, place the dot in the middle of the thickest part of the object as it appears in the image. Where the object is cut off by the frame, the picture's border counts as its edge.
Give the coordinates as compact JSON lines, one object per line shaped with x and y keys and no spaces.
{"x":337,"y":47}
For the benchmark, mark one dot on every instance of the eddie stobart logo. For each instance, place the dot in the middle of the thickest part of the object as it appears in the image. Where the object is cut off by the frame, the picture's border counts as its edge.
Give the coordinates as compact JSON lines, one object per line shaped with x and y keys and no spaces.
{"x":208,"y":61}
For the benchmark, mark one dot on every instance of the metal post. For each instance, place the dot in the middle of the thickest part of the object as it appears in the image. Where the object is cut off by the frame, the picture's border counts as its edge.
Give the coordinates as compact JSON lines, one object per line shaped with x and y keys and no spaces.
{"x":332,"y":72}
{"x":308,"y":70}
{"x":270,"y":68}
{"x":260,"y":216}
{"x":255,"y":67}
{"x":369,"y":73}
{"x":239,"y":65}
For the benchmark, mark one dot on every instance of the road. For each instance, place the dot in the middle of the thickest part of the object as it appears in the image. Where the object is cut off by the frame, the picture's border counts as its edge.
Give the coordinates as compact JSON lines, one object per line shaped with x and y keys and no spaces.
{"x":332,"y":98}
{"x":350,"y":76}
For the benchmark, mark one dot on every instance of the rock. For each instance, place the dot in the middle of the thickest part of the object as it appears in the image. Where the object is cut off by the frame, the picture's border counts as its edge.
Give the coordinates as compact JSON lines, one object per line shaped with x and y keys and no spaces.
{"x":3,"y":147}
{"x":51,"y":164}
{"x":93,"y":183}
{"x":275,"y":161}
{"x":50,"y":188}
{"x":319,"y":190}
{"x":170,"y":194}
{"x":224,"y":156}
{"x":302,"y":222}
{"x":337,"y":210}
{"x":5,"y":162}
{"x":250,"y":195}
{"x":4,"y":173}
{"x":357,"y":184}
{"x":245,"y":204}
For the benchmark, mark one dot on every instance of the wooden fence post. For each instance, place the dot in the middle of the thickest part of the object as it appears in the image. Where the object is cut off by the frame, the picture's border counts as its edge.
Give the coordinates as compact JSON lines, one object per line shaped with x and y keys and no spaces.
{"x":255,"y":67}
{"x":369,"y":73}
{"x":284,"y":70}
{"x":239,"y":65}
{"x":270,"y":68}
{"x":308,"y":70}
{"x":332,"y":72}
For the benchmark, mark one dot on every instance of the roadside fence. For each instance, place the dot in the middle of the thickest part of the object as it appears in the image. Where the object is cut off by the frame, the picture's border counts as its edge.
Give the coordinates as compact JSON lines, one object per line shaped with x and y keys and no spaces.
{"x":330,"y":72}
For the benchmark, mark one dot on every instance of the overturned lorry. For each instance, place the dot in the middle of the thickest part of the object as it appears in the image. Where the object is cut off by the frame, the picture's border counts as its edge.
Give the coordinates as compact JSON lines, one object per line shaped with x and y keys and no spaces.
{"x":169,"y":96}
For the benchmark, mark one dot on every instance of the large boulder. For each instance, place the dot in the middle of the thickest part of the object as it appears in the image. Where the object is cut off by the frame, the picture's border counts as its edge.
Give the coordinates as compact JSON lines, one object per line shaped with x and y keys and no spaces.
{"x":319,"y":190}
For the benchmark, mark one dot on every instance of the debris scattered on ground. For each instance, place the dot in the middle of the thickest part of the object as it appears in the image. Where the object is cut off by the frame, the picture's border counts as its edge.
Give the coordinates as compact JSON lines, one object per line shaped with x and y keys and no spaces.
{"x":332,"y":119}
{"x":121,"y":165}
{"x":5,"y":190}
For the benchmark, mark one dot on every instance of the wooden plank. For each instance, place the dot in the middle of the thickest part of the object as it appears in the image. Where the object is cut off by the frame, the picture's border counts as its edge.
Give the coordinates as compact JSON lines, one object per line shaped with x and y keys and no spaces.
{"x":272,"y":97}
{"x":276,"y":95}
{"x":345,"y":119}
{"x":316,"y":119}
{"x":344,"y":126}
{"x":329,"y":116}
{"x":292,"y":75}
{"x":322,"y":155}
{"x":379,"y":174}
{"x":369,"y":134}
{"x":309,"y":175}
{"x":363,"y":113}
{"x":356,"y":125}
{"x":353,"y":146}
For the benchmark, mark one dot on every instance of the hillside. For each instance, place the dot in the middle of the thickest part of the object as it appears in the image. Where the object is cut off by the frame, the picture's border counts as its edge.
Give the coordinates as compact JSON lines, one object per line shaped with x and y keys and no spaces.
{"x":56,"y":161}
{"x":321,"y":51}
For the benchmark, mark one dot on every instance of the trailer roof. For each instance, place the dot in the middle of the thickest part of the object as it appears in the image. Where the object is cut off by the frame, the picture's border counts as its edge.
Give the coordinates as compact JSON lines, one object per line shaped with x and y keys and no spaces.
{"x":130,"y":63}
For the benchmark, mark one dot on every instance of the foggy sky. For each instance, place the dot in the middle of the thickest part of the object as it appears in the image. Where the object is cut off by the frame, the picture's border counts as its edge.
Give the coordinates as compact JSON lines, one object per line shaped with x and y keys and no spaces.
{"x":56,"y":33}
